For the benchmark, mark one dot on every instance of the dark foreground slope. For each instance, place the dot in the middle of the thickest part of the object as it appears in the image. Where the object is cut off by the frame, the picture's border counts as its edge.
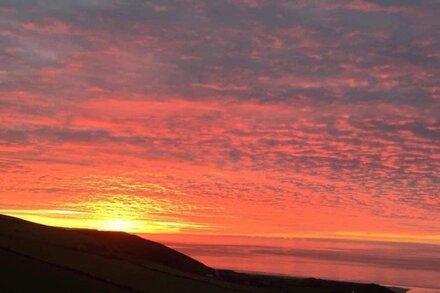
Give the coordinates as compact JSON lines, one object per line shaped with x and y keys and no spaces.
{"x":37,"y":258}
{"x":20,"y":273}
{"x":117,"y":245}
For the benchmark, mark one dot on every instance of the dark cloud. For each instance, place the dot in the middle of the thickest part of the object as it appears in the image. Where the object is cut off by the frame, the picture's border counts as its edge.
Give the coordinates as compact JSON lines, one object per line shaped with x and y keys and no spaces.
{"x":189,"y":43}
{"x":425,"y":4}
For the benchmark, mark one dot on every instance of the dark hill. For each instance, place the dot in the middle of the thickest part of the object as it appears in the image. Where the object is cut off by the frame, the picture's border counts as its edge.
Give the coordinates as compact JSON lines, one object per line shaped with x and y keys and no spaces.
{"x":118,"y":245}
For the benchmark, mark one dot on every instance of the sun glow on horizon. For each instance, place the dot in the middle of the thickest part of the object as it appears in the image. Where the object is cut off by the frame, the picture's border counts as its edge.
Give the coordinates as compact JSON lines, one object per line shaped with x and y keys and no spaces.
{"x":124,"y":222}
{"x":119,"y":225}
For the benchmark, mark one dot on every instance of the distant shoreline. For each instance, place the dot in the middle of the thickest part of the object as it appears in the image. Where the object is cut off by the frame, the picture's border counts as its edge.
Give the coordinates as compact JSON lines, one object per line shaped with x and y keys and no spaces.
{"x":395,"y":288}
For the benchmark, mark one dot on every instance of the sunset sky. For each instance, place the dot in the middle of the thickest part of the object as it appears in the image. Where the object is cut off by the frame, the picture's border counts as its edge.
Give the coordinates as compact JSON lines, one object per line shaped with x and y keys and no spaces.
{"x":274,"y":119}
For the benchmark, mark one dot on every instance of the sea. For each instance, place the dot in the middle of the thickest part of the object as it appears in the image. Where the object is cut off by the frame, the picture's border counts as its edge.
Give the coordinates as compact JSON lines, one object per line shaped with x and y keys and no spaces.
{"x":415,"y":266}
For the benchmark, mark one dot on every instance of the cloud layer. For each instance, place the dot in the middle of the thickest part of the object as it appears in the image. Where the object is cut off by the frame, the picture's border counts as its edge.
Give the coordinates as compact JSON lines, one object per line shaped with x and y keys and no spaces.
{"x":241,"y":117}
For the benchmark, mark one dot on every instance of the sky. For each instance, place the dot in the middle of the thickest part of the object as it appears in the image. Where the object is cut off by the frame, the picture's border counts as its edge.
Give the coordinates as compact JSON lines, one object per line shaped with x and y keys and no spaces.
{"x":272,"y":119}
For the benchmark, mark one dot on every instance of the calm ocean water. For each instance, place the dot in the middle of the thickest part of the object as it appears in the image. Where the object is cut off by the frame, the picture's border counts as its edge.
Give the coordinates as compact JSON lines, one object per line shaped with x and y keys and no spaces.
{"x":408,"y":265}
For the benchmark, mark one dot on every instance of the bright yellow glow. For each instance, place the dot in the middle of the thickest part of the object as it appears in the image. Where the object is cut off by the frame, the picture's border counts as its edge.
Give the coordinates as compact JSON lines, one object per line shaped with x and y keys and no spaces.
{"x":126,"y":223}
{"x":110,"y":221}
{"x":118,"y":225}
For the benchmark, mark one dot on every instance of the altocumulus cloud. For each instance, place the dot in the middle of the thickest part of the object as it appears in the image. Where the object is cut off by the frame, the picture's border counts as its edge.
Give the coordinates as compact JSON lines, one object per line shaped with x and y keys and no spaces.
{"x":270,"y":103}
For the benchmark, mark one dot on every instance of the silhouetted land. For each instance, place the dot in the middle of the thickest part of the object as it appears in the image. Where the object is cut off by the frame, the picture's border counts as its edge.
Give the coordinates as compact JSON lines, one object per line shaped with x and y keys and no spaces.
{"x":38,"y":258}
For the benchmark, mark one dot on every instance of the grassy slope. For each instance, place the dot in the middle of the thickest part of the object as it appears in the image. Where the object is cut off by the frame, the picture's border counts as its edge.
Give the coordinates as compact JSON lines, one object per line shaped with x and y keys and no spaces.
{"x":24,"y":274}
